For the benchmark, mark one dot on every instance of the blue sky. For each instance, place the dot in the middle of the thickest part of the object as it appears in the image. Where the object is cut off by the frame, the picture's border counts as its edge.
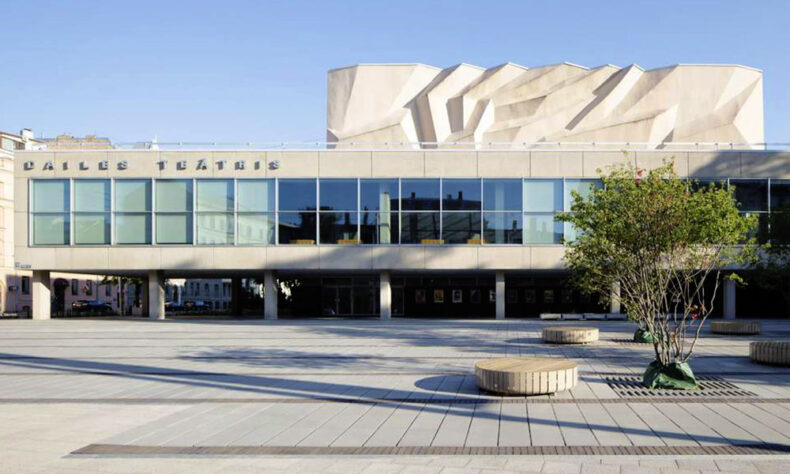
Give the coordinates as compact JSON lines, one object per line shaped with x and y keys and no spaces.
{"x":256,"y":70}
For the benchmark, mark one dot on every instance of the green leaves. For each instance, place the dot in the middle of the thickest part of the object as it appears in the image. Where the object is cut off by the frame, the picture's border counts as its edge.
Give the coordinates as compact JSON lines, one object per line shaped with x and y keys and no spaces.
{"x":660,"y":238}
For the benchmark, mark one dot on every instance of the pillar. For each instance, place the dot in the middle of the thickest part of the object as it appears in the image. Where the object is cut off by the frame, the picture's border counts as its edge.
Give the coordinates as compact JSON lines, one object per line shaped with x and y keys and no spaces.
{"x":42,"y":295}
{"x":385,"y":296}
{"x":500,"y":295}
{"x":614,"y":298}
{"x":235,"y":296}
{"x":270,"y":295}
{"x":156,"y":294}
{"x":729,"y":299}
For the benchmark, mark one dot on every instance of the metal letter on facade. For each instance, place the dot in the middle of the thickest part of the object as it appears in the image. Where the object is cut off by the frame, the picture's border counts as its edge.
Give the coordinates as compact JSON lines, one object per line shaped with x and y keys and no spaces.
{"x":202,"y":164}
{"x":49,"y":166}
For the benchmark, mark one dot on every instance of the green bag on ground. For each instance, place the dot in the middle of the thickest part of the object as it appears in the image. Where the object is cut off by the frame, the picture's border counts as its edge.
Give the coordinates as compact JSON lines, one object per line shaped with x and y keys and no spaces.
{"x":676,"y":376}
{"x":643,"y":335}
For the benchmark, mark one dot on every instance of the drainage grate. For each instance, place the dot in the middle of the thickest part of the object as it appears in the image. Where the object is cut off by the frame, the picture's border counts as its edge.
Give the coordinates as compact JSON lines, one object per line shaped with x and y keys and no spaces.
{"x":630,"y":342}
{"x":630,"y":386}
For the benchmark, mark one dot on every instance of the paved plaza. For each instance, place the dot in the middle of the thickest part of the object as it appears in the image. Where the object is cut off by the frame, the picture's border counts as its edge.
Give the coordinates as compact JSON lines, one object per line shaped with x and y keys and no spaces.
{"x":370,"y":396}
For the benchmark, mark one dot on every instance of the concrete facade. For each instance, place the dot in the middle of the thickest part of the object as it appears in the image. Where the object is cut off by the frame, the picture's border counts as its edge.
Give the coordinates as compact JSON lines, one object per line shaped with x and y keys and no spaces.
{"x":138,"y":260}
{"x":157,"y":262}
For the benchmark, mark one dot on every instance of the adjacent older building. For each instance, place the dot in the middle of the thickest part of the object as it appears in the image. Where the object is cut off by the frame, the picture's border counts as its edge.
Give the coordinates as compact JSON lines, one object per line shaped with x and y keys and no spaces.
{"x":436,"y":195}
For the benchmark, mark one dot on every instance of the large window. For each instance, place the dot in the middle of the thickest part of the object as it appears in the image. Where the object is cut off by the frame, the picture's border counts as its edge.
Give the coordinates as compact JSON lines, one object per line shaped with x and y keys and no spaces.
{"x":584,"y":188}
{"x":50,"y":209}
{"x":338,"y":211}
{"x":461,"y":204}
{"x":542,"y":201}
{"x":174,"y":211}
{"x":92,"y":211}
{"x":420,"y":218}
{"x":215,"y":206}
{"x":132,"y":211}
{"x":378,"y":203}
{"x":297,"y":211}
{"x":502,"y":201}
{"x":256,"y":206}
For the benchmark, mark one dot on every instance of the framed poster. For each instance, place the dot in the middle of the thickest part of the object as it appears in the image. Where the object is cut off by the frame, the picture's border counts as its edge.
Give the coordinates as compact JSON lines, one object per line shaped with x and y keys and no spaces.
{"x":529,"y":296}
{"x":474,"y":296}
{"x":458,"y":296}
{"x":492,"y":296}
{"x":419,"y":296}
{"x":548,"y":296}
{"x":438,"y":296}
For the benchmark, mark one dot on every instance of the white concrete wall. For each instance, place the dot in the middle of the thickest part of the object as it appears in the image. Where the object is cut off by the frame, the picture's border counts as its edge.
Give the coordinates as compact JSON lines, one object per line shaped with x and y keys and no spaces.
{"x":335,"y":163}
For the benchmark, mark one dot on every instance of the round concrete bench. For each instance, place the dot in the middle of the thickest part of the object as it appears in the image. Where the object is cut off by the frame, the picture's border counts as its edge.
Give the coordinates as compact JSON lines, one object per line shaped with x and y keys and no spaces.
{"x":770,"y":352}
{"x":735,"y":327}
{"x":526,"y":375}
{"x":570,"y":335}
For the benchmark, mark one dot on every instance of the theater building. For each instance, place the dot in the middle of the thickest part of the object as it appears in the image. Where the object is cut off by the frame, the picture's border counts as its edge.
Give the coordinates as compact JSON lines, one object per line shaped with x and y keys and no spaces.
{"x":437,"y":199}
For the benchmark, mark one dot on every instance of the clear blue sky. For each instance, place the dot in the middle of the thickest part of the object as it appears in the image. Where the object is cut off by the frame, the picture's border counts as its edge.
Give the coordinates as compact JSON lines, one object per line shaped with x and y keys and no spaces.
{"x":256,"y":71}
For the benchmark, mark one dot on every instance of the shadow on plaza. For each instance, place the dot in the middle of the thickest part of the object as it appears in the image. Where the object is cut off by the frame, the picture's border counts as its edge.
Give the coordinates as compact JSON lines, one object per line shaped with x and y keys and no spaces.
{"x":459,"y":406}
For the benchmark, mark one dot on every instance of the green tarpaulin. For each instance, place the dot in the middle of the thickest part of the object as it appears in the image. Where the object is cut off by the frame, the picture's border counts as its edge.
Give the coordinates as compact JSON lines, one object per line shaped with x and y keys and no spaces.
{"x":677,"y":376}
{"x":643,"y":335}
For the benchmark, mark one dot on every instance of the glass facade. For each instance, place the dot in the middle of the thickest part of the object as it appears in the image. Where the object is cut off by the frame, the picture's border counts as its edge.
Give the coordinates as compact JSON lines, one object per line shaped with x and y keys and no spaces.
{"x":132,"y":211}
{"x":328,"y":211}
{"x":174,"y":199}
{"x":50,"y":208}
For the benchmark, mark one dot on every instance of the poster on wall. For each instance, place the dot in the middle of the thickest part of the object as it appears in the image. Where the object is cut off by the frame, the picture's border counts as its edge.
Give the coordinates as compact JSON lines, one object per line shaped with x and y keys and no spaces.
{"x":458,"y":296}
{"x":419,"y":296}
{"x":529,"y":296}
{"x":474,"y":296}
{"x":438,"y":296}
{"x":491,"y":296}
{"x":548,"y":296}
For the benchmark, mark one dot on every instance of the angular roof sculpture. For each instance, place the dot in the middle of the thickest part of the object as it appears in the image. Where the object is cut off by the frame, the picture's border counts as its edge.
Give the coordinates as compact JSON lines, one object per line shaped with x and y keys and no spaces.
{"x":376,"y":103}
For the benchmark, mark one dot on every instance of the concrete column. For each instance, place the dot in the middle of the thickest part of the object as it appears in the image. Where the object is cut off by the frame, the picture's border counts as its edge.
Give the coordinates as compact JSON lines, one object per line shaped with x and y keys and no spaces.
{"x":235,"y":296}
{"x":614,"y":301}
{"x":156,"y":294}
{"x":42,"y":295}
{"x":270,"y":295}
{"x":500,"y":295}
{"x":729,"y":299}
{"x":385,"y":296}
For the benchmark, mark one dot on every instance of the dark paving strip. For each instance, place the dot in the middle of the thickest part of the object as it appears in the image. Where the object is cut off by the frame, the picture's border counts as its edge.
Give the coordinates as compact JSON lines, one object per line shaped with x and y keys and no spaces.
{"x":470,"y":400}
{"x":131,"y":450}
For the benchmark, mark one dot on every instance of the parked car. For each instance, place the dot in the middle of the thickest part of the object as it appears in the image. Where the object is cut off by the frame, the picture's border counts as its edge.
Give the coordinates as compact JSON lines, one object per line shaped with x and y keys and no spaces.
{"x":91,"y":307}
{"x":174,"y":307}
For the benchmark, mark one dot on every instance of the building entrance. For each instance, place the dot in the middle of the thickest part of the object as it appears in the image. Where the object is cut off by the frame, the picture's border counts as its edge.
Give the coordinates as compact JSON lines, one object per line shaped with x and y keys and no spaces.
{"x":336,"y":301}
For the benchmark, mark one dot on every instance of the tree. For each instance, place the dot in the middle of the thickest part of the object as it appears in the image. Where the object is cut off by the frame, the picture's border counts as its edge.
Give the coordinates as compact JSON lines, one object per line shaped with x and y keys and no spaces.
{"x":667,"y":243}
{"x":121,"y":283}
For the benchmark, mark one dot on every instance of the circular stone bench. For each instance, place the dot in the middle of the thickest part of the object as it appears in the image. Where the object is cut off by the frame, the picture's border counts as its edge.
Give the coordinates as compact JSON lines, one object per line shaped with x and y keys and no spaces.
{"x":570,"y":335}
{"x":770,"y":352}
{"x":526,"y":375}
{"x":735,"y":327}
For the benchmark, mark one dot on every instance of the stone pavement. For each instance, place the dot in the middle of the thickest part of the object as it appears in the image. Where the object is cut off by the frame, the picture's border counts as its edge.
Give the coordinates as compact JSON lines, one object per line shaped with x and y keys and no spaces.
{"x":366,"y":395}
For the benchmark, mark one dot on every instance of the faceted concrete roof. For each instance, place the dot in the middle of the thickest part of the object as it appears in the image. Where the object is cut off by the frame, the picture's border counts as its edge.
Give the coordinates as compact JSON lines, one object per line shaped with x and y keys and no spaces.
{"x":557,"y":103}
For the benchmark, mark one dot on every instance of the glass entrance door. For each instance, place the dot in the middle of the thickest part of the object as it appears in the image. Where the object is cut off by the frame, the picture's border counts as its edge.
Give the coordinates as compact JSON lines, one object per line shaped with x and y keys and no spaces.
{"x":336,"y":301}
